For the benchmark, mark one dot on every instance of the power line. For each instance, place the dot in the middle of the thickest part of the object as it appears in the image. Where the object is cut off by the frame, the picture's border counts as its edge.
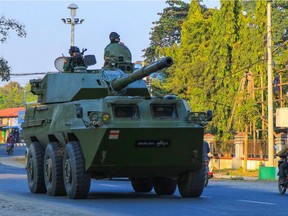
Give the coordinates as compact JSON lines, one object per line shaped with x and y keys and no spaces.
{"x":29,"y":74}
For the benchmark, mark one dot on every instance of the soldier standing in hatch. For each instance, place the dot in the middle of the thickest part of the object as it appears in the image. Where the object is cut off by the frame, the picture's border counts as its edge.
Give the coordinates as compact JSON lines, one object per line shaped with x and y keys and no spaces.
{"x":74,"y":60}
{"x":116,"y":51}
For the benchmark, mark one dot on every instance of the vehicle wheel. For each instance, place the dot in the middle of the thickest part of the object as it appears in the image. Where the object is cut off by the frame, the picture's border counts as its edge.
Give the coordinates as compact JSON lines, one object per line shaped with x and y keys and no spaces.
{"x":164,"y":186}
{"x":53,"y":169}
{"x":142,"y":185}
{"x":76,"y":180}
{"x":206,"y":179}
{"x":191,"y":184}
{"x":35,"y":170}
{"x":281,"y":187}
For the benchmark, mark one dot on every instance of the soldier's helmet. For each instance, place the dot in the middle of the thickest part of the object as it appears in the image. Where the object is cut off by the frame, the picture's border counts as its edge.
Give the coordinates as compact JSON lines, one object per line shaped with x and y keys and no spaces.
{"x":114,"y":37}
{"x":74,"y":49}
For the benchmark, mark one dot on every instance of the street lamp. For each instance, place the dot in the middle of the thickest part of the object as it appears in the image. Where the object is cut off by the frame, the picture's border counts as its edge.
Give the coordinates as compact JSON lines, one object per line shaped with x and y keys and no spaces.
{"x":72,"y":21}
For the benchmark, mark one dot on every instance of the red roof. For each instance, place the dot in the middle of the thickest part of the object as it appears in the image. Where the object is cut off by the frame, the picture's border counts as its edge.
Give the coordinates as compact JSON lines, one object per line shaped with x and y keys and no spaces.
{"x":10,"y":112}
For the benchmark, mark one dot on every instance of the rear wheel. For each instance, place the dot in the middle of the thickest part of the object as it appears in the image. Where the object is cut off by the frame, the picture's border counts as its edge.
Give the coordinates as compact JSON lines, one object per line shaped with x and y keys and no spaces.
{"x":53,"y":169}
{"x":281,"y":187}
{"x":76,"y":180}
{"x":164,"y":186}
{"x":35,"y":173}
{"x":142,"y":185}
{"x":191,"y":184}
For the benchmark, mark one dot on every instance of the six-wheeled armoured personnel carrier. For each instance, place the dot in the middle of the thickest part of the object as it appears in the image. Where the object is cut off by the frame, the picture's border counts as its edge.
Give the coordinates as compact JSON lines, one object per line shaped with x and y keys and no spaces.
{"x":104,"y":124}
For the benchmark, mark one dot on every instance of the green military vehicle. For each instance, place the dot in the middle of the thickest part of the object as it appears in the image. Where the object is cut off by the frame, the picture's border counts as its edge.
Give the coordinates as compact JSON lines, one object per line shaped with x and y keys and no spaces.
{"x":105,"y":124}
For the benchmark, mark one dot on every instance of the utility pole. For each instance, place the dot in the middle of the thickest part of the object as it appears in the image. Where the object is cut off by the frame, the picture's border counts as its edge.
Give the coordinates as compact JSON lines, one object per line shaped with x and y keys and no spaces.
{"x":270,"y":88}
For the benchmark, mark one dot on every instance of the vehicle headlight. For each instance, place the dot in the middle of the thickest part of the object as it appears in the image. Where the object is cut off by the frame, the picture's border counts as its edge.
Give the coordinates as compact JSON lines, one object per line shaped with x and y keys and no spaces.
{"x":201,"y":117}
{"x":93,"y":116}
{"x":197,"y":117}
{"x":105,"y":117}
{"x":190,"y":117}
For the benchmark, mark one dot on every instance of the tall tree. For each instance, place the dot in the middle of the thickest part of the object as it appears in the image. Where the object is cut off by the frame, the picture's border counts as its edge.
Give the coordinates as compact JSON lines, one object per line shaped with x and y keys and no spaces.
{"x":167,"y":29}
{"x":186,"y":76}
{"x":223,"y":83}
{"x":5,"y":26}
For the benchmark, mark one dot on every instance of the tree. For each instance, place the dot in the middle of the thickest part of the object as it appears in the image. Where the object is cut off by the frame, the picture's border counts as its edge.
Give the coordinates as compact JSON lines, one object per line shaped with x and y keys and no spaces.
{"x":11,"y":95}
{"x":167,"y":30}
{"x":5,"y":26}
{"x":215,"y":49}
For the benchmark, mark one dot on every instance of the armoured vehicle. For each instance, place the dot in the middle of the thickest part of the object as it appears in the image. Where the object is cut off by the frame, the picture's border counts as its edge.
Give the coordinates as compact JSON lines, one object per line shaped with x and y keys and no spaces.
{"x":104,"y":123}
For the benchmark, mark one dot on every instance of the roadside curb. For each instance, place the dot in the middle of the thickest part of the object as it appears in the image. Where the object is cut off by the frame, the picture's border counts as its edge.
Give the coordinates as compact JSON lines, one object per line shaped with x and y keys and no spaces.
{"x":11,"y":161}
{"x":229,"y":177}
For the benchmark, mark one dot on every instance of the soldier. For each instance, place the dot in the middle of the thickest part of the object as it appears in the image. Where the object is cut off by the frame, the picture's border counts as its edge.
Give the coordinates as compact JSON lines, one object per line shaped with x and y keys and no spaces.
{"x":116,"y":52}
{"x":74,"y":60}
{"x":114,"y":37}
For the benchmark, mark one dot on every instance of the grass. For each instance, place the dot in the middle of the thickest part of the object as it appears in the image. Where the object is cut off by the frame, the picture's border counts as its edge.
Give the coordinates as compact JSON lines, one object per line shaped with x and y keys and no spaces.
{"x":238,"y":172}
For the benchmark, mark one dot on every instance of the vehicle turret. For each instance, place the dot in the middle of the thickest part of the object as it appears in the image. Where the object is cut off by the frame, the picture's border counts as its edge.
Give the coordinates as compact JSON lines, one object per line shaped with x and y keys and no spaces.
{"x":95,"y":84}
{"x":140,"y":73}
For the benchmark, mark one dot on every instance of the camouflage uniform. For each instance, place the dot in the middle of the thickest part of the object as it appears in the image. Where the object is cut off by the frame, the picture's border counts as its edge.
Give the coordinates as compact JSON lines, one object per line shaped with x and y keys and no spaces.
{"x":74,"y":60}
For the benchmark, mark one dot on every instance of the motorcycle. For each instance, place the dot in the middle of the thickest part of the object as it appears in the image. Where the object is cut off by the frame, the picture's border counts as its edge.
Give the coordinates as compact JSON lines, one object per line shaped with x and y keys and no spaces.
{"x":10,"y":148}
{"x":208,"y":173}
{"x":282,"y":183}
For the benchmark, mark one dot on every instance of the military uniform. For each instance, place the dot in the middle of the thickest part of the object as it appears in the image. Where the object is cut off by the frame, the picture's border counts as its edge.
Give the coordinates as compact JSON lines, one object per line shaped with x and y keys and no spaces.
{"x":117,"y":52}
{"x":117,"y":55}
{"x":74,"y":60}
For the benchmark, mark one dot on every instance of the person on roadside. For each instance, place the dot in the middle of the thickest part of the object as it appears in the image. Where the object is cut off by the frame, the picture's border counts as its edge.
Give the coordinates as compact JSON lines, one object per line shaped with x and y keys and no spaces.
{"x":283,"y":166}
{"x":206,"y":151}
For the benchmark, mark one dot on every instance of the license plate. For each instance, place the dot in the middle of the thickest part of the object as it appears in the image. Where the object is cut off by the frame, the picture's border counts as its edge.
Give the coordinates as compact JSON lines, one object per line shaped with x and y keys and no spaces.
{"x":152,"y":143}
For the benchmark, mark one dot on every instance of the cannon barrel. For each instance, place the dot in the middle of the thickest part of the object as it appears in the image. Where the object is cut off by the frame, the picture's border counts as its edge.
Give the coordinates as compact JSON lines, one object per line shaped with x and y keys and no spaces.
{"x":140,"y":73}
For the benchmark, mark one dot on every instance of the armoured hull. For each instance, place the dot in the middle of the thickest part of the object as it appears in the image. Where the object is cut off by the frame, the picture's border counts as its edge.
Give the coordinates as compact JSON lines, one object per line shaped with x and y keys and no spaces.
{"x":141,"y":145}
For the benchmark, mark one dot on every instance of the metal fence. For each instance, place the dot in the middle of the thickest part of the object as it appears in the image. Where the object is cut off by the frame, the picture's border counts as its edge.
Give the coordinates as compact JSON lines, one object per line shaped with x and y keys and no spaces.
{"x":256,"y":149}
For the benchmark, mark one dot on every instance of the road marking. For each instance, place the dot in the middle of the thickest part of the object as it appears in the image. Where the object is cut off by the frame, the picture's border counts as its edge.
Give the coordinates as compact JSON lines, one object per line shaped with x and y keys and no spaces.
{"x":12,"y":176}
{"x":257,"y":202}
{"x":109,"y":185}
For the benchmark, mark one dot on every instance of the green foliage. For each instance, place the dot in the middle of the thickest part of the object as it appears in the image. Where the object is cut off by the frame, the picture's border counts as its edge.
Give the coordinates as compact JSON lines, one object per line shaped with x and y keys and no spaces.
{"x":6,"y":25}
{"x":11,"y":96}
{"x":215,"y":49}
{"x":166,"y":31}
{"x":10,"y":24}
{"x":246,"y":112}
{"x":4,"y":70}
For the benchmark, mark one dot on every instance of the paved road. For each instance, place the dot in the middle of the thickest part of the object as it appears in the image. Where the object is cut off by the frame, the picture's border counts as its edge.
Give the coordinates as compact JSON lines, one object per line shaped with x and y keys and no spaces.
{"x":116,"y":197}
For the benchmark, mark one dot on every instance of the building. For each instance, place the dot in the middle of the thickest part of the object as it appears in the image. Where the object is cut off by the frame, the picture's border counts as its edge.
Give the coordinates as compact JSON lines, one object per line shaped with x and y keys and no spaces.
{"x":10,"y":118}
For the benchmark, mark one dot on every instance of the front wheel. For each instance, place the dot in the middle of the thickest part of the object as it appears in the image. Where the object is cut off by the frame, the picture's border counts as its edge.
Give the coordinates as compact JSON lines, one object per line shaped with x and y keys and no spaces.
{"x":191,"y":184}
{"x":281,"y":187}
{"x":164,"y":186}
{"x":76,"y":180}
{"x":142,"y":185}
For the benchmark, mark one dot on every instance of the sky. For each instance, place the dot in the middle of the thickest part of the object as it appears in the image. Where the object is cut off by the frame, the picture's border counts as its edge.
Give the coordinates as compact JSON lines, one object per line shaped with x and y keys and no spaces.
{"x":48,"y":37}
